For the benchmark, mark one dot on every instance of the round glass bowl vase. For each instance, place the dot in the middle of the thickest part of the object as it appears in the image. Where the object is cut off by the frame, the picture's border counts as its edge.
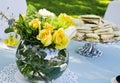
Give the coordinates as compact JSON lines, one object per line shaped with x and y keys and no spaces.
{"x":37,"y":63}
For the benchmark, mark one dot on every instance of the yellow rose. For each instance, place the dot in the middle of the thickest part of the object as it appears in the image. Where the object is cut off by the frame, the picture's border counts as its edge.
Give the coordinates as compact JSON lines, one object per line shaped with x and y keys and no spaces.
{"x":49,"y":27}
{"x":60,"y":39}
{"x":45,"y":37}
{"x":66,"y":18}
{"x":11,"y":41}
{"x":35,"y":23}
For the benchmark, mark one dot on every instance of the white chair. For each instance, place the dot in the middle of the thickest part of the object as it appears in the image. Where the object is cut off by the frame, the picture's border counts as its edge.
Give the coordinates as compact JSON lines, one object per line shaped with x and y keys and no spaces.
{"x":112,"y":13}
{"x":9,"y":7}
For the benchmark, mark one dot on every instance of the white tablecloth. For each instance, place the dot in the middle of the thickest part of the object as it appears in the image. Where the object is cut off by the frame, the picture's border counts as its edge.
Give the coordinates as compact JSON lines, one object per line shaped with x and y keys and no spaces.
{"x":89,"y":70}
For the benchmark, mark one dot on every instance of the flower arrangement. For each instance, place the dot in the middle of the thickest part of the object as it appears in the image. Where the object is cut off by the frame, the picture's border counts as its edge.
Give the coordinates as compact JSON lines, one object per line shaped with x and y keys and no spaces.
{"x":44,"y":27}
{"x":43,"y":39}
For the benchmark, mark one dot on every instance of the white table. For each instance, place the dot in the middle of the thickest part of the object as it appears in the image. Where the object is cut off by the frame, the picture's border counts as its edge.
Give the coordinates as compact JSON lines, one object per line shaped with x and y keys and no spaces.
{"x":89,"y":70}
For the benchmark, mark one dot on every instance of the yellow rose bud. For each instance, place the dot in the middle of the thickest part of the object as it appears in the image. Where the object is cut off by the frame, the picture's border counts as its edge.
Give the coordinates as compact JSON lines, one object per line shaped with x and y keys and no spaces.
{"x":48,"y":27}
{"x":24,"y":17}
{"x":45,"y":37}
{"x":15,"y":29}
{"x":66,"y":18}
{"x":60,"y":39}
{"x":35,"y":23}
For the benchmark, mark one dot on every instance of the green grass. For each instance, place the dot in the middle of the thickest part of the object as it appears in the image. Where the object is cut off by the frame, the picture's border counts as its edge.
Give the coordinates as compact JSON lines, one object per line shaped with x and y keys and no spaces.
{"x":72,"y":7}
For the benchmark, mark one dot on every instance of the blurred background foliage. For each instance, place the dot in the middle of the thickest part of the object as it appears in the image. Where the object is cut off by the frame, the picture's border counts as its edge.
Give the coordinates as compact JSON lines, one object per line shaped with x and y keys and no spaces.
{"x":72,"y":7}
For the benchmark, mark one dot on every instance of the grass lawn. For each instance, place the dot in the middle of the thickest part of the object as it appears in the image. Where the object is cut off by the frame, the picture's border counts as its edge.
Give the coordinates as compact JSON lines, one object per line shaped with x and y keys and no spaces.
{"x":72,"y":7}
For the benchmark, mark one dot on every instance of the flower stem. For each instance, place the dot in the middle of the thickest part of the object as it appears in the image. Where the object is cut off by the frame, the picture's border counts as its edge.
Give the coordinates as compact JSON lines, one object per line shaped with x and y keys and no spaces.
{"x":46,"y":81}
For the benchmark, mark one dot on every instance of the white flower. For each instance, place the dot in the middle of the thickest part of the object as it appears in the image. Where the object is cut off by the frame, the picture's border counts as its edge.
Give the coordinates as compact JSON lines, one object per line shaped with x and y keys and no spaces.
{"x":45,"y":13}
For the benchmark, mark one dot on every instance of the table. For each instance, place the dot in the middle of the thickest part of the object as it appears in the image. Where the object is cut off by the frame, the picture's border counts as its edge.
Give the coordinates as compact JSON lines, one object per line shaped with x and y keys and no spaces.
{"x":89,"y":70}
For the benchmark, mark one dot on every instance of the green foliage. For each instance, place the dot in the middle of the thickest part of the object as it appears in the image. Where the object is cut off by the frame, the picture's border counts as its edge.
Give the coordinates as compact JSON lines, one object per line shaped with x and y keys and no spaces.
{"x":58,"y":23}
{"x":31,"y":10}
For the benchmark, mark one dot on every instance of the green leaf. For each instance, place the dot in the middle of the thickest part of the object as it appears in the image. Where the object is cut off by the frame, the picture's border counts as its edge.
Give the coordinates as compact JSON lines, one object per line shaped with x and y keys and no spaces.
{"x":26,"y":24}
{"x":31,"y":9}
{"x":21,"y":18}
{"x":29,"y":31}
{"x":9,"y":30}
